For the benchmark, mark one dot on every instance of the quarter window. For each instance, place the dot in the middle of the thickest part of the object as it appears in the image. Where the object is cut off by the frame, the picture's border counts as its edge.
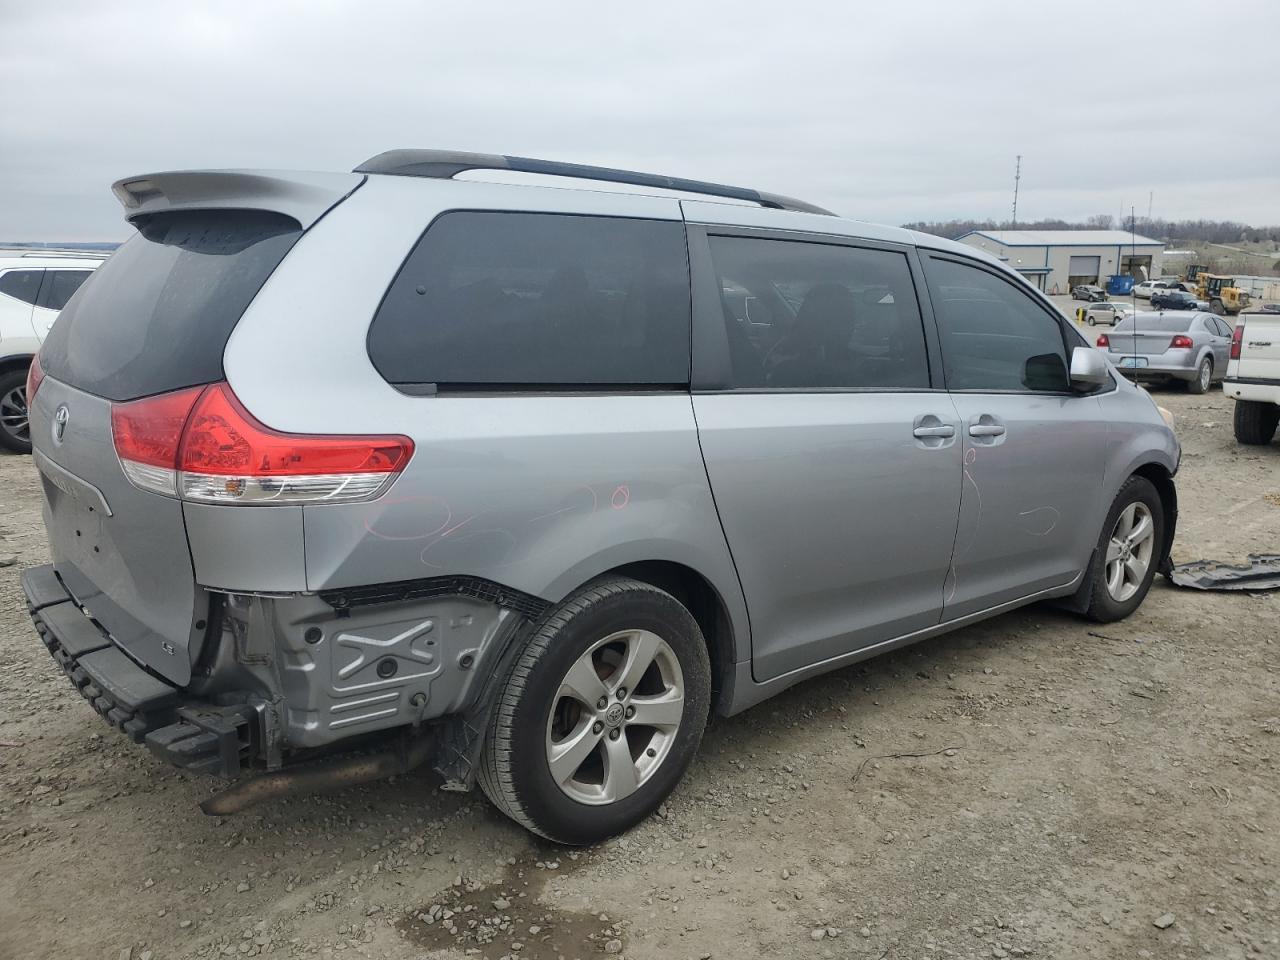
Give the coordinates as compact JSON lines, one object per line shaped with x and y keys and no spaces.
{"x":59,"y":285}
{"x":532,"y":299}
{"x":802,"y":315}
{"x":994,"y":336}
{"x":22,"y":285}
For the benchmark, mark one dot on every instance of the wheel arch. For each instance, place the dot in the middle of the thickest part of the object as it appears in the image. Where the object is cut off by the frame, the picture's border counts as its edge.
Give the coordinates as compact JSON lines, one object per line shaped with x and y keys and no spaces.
{"x":17,"y":361}
{"x":708,"y":608}
{"x":1162,"y":480}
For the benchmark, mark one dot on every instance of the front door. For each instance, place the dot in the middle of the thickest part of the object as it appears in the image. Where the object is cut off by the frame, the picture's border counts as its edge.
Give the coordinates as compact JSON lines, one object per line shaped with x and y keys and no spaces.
{"x":1033,"y":448}
{"x":834,"y":461}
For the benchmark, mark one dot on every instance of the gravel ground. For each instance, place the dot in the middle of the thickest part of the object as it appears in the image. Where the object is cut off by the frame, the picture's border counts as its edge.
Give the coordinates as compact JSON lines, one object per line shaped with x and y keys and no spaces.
{"x":1030,"y":786}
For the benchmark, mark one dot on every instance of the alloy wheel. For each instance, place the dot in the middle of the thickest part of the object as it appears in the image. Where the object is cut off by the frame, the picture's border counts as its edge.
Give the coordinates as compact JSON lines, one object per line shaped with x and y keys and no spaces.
{"x":13,"y":414}
{"x":1129,"y":551}
{"x":1206,"y":373}
{"x":615,"y":717}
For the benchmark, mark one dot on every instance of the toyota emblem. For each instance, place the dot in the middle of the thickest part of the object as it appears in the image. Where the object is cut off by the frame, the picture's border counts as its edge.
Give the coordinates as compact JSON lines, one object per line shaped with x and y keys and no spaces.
{"x":60,"y":418}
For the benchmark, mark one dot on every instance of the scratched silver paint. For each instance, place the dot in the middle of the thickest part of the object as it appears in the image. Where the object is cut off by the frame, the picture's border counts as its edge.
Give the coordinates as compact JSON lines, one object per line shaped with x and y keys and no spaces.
{"x":1048,"y":465}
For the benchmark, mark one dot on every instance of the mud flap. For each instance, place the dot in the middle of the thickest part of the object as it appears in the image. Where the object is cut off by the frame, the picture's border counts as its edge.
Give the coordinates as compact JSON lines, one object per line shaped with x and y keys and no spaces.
{"x":460,"y":737}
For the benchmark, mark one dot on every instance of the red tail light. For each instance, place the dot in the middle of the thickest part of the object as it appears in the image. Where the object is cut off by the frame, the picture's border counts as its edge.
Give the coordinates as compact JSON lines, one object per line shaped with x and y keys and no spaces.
{"x":1237,"y":339}
{"x":1182,"y":341}
{"x":35,"y":374}
{"x":202,"y":444}
{"x":1103,"y":341}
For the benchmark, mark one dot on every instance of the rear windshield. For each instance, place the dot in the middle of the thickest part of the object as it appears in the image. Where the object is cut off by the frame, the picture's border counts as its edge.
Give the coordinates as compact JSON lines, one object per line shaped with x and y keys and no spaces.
{"x":1154,"y":324}
{"x":157,"y":315}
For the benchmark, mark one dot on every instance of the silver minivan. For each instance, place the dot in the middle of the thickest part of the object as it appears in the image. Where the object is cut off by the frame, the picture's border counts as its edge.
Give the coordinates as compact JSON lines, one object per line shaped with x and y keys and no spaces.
{"x":528,"y":468}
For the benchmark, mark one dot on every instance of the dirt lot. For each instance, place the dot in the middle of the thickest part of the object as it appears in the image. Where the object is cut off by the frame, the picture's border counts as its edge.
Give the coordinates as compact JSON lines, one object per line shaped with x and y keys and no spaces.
{"x":1067,"y":792}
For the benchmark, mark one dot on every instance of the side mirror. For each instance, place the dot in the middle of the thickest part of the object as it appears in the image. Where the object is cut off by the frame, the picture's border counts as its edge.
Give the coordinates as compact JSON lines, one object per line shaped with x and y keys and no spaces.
{"x":1088,"y":368}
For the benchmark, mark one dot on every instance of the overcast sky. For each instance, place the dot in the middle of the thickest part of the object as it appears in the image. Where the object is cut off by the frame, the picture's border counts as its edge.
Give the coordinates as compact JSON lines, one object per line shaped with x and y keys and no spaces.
{"x":883,"y":111}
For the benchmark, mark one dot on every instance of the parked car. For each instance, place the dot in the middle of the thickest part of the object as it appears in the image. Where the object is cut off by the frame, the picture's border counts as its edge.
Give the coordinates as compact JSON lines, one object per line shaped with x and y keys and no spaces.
{"x":511,"y":510}
{"x":1144,"y":289}
{"x":1108,"y":312}
{"x":1188,"y":346}
{"x":34,"y":286}
{"x":1088,"y":293}
{"x":1253,"y":374}
{"x":1176,"y":300}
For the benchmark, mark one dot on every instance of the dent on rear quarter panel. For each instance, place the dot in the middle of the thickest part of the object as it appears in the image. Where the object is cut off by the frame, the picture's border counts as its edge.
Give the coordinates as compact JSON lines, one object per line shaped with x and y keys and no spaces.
{"x":536,"y":493}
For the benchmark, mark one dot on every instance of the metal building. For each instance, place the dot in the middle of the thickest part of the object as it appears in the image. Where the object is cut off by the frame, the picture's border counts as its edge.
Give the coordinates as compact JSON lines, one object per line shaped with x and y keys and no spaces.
{"x":1057,"y":260}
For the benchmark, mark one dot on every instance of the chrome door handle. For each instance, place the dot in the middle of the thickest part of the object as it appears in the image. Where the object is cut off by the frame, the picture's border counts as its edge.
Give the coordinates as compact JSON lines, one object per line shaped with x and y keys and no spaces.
{"x":986,"y":430}
{"x":946,"y":430}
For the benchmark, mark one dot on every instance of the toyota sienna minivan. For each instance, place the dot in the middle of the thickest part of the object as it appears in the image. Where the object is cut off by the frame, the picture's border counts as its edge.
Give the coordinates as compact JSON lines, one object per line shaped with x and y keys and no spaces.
{"x":527,"y":468}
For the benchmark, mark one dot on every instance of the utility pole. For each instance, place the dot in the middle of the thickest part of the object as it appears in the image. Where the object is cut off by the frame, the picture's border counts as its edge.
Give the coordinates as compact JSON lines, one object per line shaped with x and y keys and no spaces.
{"x":1017,"y":175}
{"x":1150,"y":197}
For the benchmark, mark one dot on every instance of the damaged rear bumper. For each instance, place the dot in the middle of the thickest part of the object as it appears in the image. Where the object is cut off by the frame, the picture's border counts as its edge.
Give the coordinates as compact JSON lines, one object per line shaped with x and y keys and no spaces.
{"x":197,"y":736}
{"x":284,"y":679}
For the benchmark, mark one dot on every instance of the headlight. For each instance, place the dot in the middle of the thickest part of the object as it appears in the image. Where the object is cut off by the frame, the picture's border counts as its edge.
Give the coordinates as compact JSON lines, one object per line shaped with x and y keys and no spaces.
{"x":1166,"y":416}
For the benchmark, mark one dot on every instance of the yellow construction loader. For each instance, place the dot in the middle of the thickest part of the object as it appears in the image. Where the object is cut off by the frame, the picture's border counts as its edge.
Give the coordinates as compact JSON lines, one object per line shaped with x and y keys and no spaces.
{"x":1221,"y":293}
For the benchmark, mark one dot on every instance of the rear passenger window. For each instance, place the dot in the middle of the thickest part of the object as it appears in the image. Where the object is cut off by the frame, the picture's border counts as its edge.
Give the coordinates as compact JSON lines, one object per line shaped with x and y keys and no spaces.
{"x":22,"y":285}
{"x":814,"y":315}
{"x":532,"y":299}
{"x":59,"y":285}
{"x":994,"y":336}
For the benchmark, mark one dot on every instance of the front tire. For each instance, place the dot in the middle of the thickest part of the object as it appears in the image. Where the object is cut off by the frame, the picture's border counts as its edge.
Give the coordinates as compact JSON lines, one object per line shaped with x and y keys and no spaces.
{"x":1255,"y":422}
{"x":600,"y":715}
{"x":1204,"y":377}
{"x":1129,"y":550}
{"x":15,"y":425}
{"x":1093,"y":321}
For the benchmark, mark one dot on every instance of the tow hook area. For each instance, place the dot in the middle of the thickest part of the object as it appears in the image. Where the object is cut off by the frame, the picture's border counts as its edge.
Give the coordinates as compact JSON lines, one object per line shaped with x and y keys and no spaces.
{"x":207,"y":739}
{"x":322,"y":777}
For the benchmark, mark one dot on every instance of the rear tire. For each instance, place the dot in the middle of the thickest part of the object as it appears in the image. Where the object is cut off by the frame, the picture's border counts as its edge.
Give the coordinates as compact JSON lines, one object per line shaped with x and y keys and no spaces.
{"x":568,"y":754}
{"x":1117,"y":591}
{"x":1255,"y":422}
{"x":1204,"y":377}
{"x":15,"y":428}
{"x":1093,"y":321}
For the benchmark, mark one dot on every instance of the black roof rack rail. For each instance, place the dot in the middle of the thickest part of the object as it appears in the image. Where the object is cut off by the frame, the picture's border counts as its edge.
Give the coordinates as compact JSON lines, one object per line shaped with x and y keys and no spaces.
{"x":443,"y":164}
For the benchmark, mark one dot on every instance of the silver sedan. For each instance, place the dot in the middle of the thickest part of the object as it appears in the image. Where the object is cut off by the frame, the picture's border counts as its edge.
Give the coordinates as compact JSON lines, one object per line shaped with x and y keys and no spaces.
{"x":1172,"y":345}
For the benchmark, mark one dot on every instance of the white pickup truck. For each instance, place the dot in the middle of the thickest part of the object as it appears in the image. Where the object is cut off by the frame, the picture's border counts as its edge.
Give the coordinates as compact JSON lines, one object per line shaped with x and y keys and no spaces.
{"x":1253,"y":374}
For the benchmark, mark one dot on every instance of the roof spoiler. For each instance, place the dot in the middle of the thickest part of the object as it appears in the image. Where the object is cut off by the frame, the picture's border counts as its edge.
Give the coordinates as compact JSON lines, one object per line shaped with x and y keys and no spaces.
{"x":444,"y":164}
{"x":305,"y":197}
